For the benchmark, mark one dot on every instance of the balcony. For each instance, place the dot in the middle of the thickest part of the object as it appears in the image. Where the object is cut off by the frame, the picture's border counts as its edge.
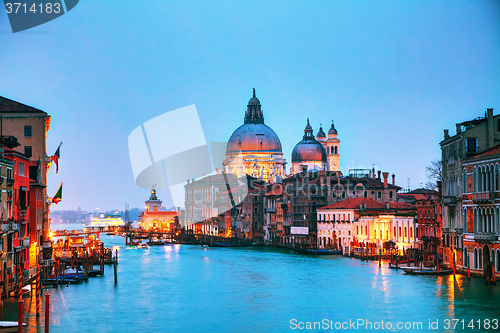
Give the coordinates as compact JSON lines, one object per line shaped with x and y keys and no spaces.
{"x":483,"y":197}
{"x":10,"y":227}
{"x":449,"y":201}
{"x":271,"y":210}
{"x":483,"y":237}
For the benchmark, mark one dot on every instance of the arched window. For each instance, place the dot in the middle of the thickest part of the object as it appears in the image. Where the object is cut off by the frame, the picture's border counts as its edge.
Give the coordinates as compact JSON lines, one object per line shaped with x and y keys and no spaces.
{"x":480,"y":259}
{"x":497,"y":177}
{"x":464,"y":183}
{"x":366,"y":194}
{"x":464,"y":256}
{"x":475,"y":180}
{"x":475,"y":259}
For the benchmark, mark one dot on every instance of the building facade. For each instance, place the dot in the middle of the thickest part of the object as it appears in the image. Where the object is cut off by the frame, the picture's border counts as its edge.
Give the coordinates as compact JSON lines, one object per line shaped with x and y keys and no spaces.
{"x":472,"y":138}
{"x":481,"y":211}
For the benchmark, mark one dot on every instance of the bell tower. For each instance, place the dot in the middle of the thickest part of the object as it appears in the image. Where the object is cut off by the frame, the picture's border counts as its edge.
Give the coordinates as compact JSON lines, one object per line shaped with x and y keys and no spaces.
{"x":332,"y":146}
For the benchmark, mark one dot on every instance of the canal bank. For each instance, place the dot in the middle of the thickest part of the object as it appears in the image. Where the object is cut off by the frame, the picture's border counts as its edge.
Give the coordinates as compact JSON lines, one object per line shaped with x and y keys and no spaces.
{"x":187,"y":288}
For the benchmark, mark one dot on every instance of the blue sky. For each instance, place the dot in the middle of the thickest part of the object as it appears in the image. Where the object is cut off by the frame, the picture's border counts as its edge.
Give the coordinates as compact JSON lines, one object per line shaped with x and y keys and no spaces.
{"x":392,"y":75}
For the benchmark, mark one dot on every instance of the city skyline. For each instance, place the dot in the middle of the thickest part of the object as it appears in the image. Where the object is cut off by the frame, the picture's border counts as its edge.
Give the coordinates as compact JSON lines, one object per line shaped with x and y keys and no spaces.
{"x":390,"y":87}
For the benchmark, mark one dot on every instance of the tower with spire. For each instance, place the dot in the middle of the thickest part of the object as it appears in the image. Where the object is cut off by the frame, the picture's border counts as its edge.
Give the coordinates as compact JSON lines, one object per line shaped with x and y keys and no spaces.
{"x":332,"y":146}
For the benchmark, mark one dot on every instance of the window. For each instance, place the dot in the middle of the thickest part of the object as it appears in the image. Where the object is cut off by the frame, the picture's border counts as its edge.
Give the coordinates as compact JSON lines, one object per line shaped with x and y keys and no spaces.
{"x":28,"y":131}
{"x":471,"y":145}
{"x":390,"y":194}
{"x":379,"y":195}
{"x":20,"y":166}
{"x":28,"y":151}
{"x":366,"y":194}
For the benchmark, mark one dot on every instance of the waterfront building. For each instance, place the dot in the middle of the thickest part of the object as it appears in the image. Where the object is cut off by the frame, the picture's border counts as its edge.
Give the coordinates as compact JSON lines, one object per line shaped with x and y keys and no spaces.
{"x":357,"y":221}
{"x":6,"y":207}
{"x":36,"y":200}
{"x":472,"y":138}
{"x":273,"y":217}
{"x":21,"y":212}
{"x":481,"y":211}
{"x":254,"y":148}
{"x":30,"y":126}
{"x":206,"y":199}
{"x":429,"y":226}
{"x":155,"y":217}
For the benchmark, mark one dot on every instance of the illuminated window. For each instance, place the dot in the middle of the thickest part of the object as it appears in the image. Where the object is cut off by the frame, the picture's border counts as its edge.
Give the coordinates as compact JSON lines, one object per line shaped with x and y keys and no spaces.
{"x":399,"y":231}
{"x":411,"y":232}
{"x":406,"y":232}
{"x":380,"y":234}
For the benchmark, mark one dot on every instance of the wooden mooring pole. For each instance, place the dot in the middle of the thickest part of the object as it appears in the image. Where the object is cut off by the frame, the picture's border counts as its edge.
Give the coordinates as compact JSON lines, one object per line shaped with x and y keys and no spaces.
{"x":20,"y":305}
{"x":115,"y":271}
{"x":47,"y":303}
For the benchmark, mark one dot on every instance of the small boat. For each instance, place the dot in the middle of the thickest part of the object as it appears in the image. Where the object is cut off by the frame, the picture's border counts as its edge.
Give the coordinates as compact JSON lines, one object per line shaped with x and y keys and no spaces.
{"x":26,"y":290}
{"x":426,"y":271}
{"x":9,"y":326}
{"x":400,"y":263}
{"x":142,"y":246}
{"x":317,"y":251}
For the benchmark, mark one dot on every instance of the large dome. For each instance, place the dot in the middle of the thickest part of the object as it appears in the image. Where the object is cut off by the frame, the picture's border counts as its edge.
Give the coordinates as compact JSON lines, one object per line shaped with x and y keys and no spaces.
{"x":309,"y":149}
{"x":254,"y":137}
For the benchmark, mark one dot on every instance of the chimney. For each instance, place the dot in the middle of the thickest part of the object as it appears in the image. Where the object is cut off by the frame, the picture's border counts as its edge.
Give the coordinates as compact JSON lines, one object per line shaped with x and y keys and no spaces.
{"x":459,"y":128}
{"x":379,"y":172}
{"x":188,"y":181}
{"x":440,"y":189}
{"x":373,"y":173}
{"x":385,"y":174}
{"x":393,"y":180}
{"x":491,"y":135}
{"x":370,"y":174}
{"x":446,"y":134}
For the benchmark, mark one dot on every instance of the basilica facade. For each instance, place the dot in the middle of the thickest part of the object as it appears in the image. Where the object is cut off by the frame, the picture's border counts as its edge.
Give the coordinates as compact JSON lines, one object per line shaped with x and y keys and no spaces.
{"x":254,"y":148}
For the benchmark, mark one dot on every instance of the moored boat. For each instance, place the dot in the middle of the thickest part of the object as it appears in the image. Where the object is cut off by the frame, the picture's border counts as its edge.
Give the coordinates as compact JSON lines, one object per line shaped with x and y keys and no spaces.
{"x":9,"y":326}
{"x":317,"y":251}
{"x":426,"y":271}
{"x":142,"y":246}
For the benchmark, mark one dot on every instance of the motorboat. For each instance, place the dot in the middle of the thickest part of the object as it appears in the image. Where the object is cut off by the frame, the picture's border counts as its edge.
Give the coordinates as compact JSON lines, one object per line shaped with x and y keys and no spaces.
{"x":142,"y":246}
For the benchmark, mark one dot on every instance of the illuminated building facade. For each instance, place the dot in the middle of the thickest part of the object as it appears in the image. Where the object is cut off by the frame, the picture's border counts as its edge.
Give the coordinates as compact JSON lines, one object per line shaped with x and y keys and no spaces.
{"x":357,"y":221}
{"x":155,"y":217}
{"x":254,"y":148}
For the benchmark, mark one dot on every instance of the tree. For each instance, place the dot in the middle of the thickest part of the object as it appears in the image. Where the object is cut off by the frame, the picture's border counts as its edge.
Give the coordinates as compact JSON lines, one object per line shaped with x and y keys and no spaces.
{"x":434,"y":172}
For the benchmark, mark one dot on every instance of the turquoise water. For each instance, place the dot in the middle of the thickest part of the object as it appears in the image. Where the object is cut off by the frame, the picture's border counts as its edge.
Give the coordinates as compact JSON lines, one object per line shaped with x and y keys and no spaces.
{"x":187,"y":288}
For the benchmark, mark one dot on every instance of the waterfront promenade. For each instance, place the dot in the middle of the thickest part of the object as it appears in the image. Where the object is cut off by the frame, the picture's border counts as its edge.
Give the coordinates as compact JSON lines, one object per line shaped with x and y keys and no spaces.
{"x":189,"y":288}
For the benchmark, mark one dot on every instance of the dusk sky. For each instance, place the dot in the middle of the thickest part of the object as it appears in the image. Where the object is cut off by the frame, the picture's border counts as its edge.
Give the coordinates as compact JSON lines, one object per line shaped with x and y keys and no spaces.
{"x":391,"y":74}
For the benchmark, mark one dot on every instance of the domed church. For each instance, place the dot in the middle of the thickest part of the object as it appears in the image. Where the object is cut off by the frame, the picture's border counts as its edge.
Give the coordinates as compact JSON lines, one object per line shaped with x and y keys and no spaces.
{"x":317,"y":153}
{"x":254,"y":149}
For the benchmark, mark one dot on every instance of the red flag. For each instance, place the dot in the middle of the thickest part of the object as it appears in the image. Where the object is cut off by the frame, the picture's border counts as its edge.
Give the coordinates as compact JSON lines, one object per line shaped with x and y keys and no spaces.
{"x":56,"y":157}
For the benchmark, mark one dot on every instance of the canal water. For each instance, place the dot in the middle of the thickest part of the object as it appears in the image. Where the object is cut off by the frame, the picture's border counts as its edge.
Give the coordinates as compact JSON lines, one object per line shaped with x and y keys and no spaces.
{"x":188,"y":288}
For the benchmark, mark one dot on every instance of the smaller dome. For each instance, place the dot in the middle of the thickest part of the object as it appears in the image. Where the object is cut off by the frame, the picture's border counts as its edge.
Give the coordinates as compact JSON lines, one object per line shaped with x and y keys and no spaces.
{"x":332,"y":129}
{"x":321,"y":134}
{"x":309,"y":149}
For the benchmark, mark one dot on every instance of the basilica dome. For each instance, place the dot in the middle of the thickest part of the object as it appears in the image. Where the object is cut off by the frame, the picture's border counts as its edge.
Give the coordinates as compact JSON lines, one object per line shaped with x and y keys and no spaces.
{"x":254,"y":135}
{"x":309,"y":149}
